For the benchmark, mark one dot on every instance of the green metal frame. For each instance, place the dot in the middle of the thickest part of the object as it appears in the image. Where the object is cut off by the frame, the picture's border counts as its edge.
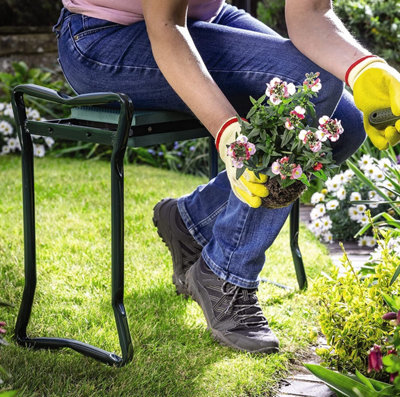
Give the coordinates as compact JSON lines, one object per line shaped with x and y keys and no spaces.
{"x":119,"y":127}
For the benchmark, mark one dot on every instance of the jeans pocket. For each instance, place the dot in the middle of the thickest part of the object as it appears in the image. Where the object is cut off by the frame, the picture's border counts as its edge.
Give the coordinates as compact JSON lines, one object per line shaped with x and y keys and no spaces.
{"x":89,"y":32}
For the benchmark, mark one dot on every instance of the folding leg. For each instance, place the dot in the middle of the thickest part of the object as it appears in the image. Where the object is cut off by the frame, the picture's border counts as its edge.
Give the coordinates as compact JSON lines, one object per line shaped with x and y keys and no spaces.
{"x":117,"y":210}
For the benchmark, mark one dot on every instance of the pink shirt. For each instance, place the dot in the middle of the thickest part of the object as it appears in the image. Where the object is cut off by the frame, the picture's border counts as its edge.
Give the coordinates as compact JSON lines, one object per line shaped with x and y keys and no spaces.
{"x":126,"y":12}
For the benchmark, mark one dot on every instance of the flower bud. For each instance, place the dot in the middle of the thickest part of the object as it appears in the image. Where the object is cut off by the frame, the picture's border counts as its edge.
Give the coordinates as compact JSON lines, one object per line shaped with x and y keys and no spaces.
{"x":375,"y":359}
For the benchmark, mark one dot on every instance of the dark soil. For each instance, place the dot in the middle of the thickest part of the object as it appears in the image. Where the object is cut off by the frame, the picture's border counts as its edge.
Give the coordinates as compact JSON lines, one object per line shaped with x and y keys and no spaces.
{"x":279,"y":197}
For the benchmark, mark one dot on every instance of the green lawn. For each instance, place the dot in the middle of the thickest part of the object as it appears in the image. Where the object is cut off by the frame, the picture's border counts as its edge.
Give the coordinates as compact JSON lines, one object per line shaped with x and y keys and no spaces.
{"x":173,"y":353}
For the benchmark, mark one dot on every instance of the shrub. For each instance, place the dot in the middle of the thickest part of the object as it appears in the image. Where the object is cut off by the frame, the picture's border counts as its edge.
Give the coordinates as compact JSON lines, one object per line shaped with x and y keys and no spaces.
{"x":351,"y":309}
{"x":375,"y":23}
{"x":340,"y":207}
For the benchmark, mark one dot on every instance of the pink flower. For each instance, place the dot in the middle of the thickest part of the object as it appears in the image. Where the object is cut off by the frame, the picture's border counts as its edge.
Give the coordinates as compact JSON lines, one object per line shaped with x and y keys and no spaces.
{"x":296,"y":172}
{"x":275,"y":167}
{"x":278,"y":90}
{"x":284,"y":160}
{"x":332,"y":128}
{"x":313,"y":82}
{"x":299,"y":112}
{"x":289,"y":125}
{"x":316,"y":147}
{"x":240,"y":150}
{"x":304,"y":134}
{"x":375,"y":359}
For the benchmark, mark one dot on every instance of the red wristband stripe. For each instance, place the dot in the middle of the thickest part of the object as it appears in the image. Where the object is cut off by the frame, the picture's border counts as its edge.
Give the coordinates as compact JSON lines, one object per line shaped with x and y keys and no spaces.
{"x":346,"y":78}
{"x":223,"y":128}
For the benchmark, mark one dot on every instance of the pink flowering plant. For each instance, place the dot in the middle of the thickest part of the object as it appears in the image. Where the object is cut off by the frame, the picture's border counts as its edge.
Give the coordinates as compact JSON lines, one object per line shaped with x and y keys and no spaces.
{"x":277,"y":141}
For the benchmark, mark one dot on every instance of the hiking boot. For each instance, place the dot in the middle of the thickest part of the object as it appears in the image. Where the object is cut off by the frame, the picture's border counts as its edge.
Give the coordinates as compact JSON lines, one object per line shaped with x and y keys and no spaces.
{"x":183,"y":247}
{"x":233,"y":314}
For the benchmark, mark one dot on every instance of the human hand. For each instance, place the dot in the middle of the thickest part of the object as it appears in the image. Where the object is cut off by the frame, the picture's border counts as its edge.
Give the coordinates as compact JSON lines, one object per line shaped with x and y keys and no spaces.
{"x":376,"y":85}
{"x":248,"y":188}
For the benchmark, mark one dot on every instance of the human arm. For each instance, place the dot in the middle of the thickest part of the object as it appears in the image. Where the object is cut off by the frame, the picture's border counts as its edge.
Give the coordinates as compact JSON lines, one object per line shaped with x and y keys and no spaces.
{"x":320,"y":35}
{"x":181,"y":64}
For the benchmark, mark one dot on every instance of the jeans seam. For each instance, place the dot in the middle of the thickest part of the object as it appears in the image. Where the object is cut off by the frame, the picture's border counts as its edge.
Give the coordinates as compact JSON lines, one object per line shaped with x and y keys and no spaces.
{"x":238,"y":240}
{"x":187,"y":220}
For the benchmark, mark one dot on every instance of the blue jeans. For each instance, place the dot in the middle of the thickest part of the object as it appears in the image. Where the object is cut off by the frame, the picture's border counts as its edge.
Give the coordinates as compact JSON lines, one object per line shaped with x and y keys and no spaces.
{"x":242,"y":55}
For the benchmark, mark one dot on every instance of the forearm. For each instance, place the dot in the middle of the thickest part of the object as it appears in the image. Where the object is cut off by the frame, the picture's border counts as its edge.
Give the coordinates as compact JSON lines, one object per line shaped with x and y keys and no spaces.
{"x":182,"y":66}
{"x":320,"y":35}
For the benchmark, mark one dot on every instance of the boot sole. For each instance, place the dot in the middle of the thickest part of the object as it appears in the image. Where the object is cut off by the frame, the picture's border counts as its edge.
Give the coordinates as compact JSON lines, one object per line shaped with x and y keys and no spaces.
{"x":180,"y":286}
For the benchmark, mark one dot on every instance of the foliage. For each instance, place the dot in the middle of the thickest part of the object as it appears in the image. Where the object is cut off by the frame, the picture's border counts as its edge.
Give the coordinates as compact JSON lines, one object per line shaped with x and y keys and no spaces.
{"x":375,"y":23}
{"x":21,"y":13}
{"x":351,"y":310}
{"x":272,"y":13}
{"x":352,"y":386}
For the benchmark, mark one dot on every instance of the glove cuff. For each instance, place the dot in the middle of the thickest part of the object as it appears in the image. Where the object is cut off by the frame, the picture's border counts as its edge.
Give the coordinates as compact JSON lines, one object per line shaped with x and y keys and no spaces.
{"x":355,"y":70}
{"x":223,"y":129}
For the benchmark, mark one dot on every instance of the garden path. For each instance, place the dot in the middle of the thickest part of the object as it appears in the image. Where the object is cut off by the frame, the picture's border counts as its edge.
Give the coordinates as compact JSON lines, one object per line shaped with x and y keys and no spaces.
{"x":301,"y":383}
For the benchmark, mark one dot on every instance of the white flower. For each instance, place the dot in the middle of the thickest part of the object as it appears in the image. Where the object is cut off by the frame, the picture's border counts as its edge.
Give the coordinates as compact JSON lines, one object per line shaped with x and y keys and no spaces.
{"x":379,"y":175}
{"x":33,"y":114}
{"x":388,"y":185}
{"x":316,"y":227}
{"x":13,"y":144}
{"x":384,"y":164}
{"x":371,"y":241}
{"x":342,"y":178}
{"x":365,"y":160}
{"x":332,"y":184}
{"x":49,"y":141}
{"x":6,"y":128}
{"x":363,"y":219}
{"x":361,"y":208}
{"x":341,"y":193}
{"x":327,"y":237}
{"x":332,"y":204}
{"x":349,"y":174}
{"x":38,"y":150}
{"x":371,"y":171}
{"x":8,"y":111}
{"x":5,"y":150}
{"x":321,"y":135}
{"x":2,"y":106}
{"x":354,"y":214}
{"x":326,"y":223}
{"x":363,"y":241}
{"x":317,"y":198}
{"x":355,"y":196}
{"x":320,"y":208}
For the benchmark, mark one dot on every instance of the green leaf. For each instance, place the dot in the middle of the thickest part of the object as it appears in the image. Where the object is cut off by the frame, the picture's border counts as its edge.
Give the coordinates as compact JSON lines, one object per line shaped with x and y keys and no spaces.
{"x":392,"y":301}
{"x":240,"y":172}
{"x":304,"y":179}
{"x":342,"y":383}
{"x":395,"y":275}
{"x":367,"y":382}
{"x":8,"y":393}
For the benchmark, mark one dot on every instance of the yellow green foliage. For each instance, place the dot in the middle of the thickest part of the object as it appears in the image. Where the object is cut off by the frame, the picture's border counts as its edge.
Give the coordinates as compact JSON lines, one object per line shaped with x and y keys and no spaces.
{"x":351,"y":309}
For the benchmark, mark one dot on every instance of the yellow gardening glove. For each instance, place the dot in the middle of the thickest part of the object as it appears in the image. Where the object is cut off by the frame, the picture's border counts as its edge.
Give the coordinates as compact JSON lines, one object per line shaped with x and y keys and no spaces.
{"x":376,"y":85}
{"x":248,"y":188}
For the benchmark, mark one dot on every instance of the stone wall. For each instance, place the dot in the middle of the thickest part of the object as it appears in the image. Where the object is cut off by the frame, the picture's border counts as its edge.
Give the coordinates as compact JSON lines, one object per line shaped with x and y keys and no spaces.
{"x":37,"y":46}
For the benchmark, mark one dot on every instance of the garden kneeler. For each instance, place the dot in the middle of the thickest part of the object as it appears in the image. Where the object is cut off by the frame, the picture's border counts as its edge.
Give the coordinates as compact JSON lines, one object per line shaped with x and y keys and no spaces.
{"x":117,"y":128}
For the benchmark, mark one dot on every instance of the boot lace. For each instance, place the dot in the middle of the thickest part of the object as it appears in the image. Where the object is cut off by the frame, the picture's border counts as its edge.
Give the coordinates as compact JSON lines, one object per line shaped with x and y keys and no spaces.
{"x":244,"y":303}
